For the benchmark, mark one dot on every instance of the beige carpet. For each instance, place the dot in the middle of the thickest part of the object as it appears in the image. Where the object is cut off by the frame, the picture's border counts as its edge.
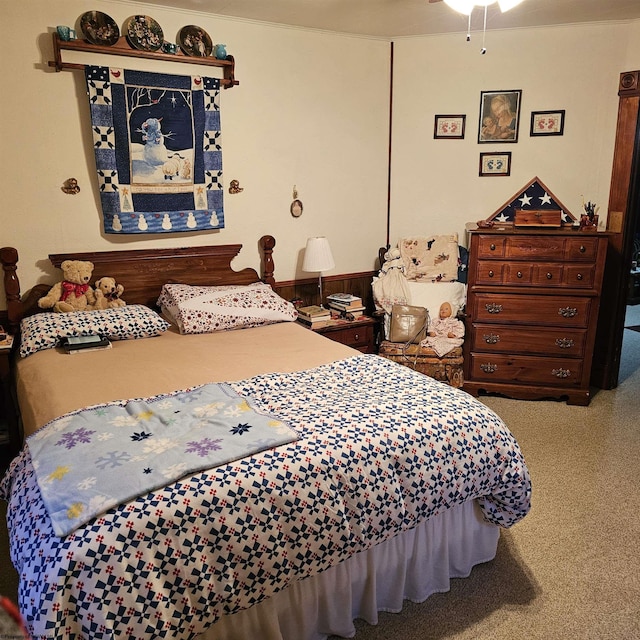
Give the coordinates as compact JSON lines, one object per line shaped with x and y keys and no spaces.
{"x":571,"y":568}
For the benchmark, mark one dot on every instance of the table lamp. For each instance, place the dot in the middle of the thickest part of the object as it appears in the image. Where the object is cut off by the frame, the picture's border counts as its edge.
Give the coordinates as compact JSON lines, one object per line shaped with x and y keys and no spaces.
{"x":318,"y":258}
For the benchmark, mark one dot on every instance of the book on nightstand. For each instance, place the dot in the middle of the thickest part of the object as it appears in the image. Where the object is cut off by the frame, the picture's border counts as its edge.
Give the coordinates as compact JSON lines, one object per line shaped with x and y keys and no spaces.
{"x":313,"y":313}
{"x":344,"y":301}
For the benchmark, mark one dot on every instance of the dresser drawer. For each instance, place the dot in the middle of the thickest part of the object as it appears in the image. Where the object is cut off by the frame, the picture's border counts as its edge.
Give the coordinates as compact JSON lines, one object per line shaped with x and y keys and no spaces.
{"x":563,"y":311}
{"x":546,"y":274}
{"x":535,"y":248}
{"x":555,"y":372}
{"x":550,"y":341}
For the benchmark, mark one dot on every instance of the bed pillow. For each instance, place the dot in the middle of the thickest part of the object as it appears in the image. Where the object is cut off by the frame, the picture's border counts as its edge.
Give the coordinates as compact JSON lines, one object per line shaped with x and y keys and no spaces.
{"x":430,"y":259}
{"x":45,"y":330}
{"x":221,"y":308}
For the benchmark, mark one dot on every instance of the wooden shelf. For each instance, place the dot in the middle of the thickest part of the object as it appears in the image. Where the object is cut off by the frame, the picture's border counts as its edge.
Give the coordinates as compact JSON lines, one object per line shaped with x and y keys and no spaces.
{"x":122,"y":48}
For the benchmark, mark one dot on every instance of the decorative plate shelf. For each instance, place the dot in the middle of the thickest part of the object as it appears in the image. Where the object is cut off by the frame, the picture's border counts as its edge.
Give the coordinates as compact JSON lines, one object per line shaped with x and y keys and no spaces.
{"x":122,"y":48}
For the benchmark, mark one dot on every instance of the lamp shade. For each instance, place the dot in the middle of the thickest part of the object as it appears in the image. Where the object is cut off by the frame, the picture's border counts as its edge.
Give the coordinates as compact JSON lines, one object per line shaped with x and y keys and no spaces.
{"x":317,"y":255}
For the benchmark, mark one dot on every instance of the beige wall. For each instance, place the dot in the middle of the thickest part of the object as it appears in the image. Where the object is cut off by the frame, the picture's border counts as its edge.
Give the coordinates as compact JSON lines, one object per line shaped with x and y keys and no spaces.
{"x":312,"y":111}
{"x":436,"y":187}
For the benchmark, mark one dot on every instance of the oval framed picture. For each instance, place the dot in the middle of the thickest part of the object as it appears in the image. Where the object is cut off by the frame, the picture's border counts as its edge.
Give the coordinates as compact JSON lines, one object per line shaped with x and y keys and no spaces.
{"x":296,"y":208}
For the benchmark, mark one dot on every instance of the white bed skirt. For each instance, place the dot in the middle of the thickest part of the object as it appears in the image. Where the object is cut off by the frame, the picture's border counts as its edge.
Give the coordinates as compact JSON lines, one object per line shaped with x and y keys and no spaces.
{"x":411,"y":566}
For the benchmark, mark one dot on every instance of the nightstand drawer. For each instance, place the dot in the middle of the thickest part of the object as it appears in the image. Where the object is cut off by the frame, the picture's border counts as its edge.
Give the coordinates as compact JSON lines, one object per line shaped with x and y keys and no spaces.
{"x":359,"y":334}
{"x":356,"y":337}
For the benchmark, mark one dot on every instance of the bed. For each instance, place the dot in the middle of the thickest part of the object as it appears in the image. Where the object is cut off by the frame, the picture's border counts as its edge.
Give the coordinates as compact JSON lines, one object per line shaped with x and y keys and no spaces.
{"x":392,"y":484}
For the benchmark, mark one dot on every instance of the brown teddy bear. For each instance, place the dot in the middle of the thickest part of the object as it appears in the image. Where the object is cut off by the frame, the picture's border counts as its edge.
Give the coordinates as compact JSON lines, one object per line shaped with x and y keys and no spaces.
{"x":108,"y":293}
{"x":74,"y":292}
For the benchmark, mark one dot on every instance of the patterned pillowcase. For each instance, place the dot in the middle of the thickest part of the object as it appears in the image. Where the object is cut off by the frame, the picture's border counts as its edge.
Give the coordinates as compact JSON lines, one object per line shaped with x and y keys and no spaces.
{"x":220,"y":308}
{"x":45,"y":330}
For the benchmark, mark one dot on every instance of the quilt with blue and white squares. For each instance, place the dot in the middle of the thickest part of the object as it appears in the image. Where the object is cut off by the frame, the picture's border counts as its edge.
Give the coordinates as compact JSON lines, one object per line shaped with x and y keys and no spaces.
{"x":381,"y":449}
{"x":157,"y":144}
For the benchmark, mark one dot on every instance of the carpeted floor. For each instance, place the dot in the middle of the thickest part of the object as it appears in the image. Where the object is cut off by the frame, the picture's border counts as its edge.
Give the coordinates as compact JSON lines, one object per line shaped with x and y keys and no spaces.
{"x":571,"y":569}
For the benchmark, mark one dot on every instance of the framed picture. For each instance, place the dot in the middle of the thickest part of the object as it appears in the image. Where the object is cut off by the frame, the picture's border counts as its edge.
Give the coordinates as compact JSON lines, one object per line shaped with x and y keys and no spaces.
{"x":495,"y":164}
{"x":451,"y":127}
{"x":547,"y":123}
{"x":499,"y":116}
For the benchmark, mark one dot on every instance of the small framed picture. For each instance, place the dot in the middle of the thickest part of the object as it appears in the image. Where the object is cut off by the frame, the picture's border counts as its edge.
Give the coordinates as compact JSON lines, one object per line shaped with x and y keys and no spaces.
{"x":499,"y":116}
{"x":451,"y":127}
{"x":495,"y":164}
{"x":547,"y":123}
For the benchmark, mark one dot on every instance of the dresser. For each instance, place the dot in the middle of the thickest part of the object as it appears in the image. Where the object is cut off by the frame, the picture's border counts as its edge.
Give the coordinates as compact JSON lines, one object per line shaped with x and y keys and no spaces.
{"x":532,"y":310}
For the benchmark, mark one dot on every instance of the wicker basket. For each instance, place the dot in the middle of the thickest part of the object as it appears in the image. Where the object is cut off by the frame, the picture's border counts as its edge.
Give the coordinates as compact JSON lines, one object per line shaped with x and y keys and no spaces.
{"x":447,"y":368}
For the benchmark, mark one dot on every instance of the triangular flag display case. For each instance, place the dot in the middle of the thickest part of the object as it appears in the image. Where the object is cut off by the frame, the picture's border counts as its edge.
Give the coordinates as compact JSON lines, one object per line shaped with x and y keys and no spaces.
{"x":535,"y":196}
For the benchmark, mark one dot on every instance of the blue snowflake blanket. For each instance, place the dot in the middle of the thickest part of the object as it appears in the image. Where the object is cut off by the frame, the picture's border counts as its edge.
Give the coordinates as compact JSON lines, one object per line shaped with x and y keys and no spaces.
{"x":381,"y":449}
{"x":97,"y":458}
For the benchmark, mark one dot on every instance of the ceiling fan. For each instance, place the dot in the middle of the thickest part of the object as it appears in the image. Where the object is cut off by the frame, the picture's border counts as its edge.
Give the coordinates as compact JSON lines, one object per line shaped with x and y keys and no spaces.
{"x":466,"y":6}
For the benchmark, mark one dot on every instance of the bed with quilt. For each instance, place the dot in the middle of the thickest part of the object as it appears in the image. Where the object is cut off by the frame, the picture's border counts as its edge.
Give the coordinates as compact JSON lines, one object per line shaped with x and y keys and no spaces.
{"x":223,"y":472}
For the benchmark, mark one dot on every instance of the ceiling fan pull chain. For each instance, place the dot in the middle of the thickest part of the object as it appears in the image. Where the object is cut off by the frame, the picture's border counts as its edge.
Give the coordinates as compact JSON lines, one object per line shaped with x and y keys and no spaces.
{"x":469,"y":29}
{"x":484,"y":31}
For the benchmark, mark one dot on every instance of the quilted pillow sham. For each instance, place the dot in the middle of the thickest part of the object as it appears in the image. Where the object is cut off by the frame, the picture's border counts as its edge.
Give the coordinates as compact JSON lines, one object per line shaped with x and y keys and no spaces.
{"x":204,"y":309}
{"x":45,"y":330}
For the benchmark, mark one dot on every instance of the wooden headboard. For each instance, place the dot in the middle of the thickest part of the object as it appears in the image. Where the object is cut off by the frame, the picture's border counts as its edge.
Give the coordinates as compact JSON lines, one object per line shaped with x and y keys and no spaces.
{"x":142,"y":272}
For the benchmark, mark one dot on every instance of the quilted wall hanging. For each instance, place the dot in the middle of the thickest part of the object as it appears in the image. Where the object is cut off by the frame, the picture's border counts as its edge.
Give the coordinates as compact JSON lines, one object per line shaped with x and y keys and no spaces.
{"x":158,"y":154}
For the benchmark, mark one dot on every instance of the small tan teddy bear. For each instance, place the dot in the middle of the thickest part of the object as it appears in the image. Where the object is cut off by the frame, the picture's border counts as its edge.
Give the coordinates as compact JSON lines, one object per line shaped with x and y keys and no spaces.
{"x":73,"y":293}
{"x":108,"y":293}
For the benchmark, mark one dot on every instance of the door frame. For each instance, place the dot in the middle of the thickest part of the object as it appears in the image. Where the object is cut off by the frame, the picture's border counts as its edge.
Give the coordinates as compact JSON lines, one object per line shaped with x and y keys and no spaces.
{"x":623,"y":212}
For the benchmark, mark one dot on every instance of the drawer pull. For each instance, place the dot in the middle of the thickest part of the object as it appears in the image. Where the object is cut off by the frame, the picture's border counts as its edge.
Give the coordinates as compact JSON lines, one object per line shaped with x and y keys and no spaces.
{"x":564,"y":343}
{"x":549,"y":276}
{"x":487,"y":367}
{"x":492,"y":247}
{"x":519,"y":274}
{"x":491,"y":338}
{"x":579,"y":276}
{"x":568,"y":312}
{"x":492,"y":307}
{"x":491,"y":274}
{"x":356,"y":337}
{"x":561,"y":373}
{"x":582,"y":248}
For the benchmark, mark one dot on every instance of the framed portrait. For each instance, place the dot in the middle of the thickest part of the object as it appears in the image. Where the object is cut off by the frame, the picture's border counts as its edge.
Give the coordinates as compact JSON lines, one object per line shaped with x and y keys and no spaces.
{"x":495,"y":164}
{"x":449,"y":127}
{"x":547,"y":123}
{"x":499,"y":116}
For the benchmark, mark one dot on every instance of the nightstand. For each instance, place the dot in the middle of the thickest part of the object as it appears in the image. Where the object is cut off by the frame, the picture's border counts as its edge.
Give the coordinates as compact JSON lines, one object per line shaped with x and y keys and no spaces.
{"x":359,"y":334}
{"x":10,"y":438}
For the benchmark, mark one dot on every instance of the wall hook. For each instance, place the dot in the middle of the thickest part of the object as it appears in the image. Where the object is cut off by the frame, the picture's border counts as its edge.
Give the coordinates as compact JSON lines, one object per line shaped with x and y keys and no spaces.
{"x":71,"y":187}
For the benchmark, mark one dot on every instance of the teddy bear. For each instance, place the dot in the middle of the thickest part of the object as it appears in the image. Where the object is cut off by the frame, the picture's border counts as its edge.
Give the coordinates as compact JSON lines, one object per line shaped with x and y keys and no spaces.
{"x":73,"y":293}
{"x":108,"y":293}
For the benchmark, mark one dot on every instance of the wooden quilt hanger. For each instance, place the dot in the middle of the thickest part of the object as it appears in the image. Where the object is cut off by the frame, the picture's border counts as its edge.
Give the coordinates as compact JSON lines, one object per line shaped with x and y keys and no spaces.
{"x":122,"y":48}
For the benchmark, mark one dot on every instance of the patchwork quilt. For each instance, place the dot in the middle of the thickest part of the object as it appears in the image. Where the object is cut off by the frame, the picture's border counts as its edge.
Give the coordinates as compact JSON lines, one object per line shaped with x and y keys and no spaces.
{"x":381,"y":449}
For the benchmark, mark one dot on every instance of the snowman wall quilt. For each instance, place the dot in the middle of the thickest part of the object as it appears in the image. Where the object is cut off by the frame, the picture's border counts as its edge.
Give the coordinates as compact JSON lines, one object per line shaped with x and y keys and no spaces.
{"x":158,"y":150}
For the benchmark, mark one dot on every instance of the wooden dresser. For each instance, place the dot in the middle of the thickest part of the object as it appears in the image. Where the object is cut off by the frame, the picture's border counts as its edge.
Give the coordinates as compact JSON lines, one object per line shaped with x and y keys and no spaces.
{"x":532,"y":310}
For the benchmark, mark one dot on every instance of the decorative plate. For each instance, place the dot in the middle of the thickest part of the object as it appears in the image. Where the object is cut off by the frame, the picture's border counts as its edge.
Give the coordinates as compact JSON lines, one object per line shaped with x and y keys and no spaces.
{"x":144,"y":33}
{"x":195,"y":41}
{"x":99,"y":28}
